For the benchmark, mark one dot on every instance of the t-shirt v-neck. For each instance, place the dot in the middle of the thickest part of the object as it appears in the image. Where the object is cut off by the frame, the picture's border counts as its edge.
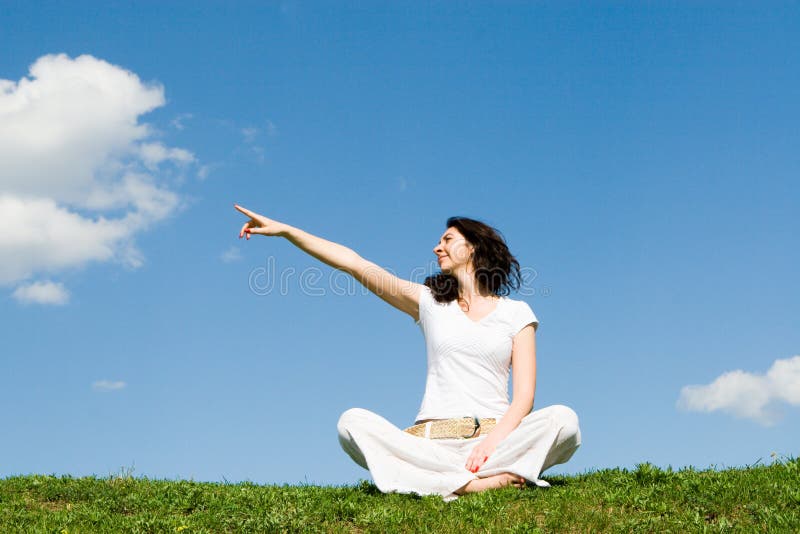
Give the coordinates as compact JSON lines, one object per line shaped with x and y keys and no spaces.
{"x":496,"y":306}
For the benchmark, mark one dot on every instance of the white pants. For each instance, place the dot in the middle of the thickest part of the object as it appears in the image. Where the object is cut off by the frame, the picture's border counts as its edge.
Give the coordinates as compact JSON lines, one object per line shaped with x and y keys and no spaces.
{"x":402,"y":463}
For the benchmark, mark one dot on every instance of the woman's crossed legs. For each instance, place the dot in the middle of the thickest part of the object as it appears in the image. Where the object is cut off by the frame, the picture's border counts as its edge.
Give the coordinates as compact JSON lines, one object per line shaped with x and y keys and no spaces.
{"x":404,"y":463}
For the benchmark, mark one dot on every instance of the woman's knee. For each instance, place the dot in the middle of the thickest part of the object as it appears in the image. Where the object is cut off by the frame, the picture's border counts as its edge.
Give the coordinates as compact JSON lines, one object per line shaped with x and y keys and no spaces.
{"x":564,"y":414}
{"x":562,"y":417}
{"x":567,"y":419}
{"x":350,"y":419}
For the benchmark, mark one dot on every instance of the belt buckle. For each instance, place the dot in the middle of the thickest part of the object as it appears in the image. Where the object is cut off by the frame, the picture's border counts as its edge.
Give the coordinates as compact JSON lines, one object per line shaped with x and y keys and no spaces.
{"x":475,"y":431}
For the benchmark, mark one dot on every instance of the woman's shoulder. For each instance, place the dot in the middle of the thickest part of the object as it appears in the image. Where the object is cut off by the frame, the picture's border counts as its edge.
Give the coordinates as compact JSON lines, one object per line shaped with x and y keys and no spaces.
{"x":515,"y":307}
{"x":519,"y":313}
{"x":513,"y":302}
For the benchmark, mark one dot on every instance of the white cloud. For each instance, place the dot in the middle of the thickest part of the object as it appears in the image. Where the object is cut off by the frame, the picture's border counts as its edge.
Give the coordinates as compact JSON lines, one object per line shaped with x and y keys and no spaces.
{"x":37,"y":235}
{"x":80,"y":176}
{"x":104,"y":386}
{"x":250,"y":133}
{"x":177,"y":122}
{"x":203,"y":172}
{"x":153,"y":154}
{"x":258,"y":152}
{"x":748,"y":395}
{"x":231,"y":255}
{"x":45,"y":292}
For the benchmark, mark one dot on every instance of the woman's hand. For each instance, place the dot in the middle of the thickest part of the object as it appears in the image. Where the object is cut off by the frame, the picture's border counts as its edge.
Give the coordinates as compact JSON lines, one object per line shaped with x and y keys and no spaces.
{"x":480,"y":454}
{"x":258,"y":224}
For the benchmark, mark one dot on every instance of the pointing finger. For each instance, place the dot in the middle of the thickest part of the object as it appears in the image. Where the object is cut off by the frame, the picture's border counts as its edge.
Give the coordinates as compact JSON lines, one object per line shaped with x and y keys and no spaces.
{"x":245,"y":211}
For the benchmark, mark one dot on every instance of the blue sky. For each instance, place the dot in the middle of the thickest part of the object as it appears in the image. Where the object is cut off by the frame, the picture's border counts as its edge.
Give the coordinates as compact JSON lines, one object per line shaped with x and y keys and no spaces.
{"x":641,"y":160}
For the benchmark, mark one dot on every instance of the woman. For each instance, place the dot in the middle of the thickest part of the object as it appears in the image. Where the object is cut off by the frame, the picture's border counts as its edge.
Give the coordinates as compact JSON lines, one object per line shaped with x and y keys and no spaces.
{"x":467,"y":436}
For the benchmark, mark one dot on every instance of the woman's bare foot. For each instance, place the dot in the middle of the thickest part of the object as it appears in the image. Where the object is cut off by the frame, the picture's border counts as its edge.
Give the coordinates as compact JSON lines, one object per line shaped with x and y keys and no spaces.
{"x":496,"y":481}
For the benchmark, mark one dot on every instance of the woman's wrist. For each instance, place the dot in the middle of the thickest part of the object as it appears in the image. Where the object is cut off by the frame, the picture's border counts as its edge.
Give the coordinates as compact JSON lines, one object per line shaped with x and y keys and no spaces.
{"x":287,"y":231}
{"x":506,"y":425}
{"x":493,"y":439}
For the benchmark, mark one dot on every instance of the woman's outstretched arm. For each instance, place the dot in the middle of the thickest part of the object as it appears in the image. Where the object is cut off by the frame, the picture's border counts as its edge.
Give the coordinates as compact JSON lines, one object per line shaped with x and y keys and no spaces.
{"x":402,"y":294}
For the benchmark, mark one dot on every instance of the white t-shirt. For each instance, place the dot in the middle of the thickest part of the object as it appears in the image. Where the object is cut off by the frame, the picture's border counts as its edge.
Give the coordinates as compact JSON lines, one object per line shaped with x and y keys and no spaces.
{"x":468,"y":361}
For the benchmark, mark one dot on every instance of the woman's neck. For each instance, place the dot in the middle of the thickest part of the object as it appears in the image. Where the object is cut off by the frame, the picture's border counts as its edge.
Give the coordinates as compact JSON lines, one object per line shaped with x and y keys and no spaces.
{"x":468,"y":289}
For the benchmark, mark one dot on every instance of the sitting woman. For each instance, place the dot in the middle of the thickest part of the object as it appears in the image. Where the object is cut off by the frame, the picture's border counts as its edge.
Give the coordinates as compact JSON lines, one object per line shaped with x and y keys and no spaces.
{"x":467,"y":436}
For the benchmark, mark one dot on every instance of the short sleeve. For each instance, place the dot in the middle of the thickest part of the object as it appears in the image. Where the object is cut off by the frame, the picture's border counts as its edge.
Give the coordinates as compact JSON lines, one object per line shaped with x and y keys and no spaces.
{"x":523,"y":316}
{"x":425,"y":300}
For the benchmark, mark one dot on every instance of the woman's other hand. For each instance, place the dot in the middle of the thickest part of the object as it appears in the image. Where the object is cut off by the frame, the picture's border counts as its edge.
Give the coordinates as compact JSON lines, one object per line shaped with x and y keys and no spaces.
{"x":479,"y":455}
{"x":258,"y":224}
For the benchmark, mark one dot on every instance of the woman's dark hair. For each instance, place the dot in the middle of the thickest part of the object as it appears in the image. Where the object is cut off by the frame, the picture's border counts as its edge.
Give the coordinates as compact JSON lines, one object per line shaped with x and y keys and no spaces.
{"x":496,"y":269}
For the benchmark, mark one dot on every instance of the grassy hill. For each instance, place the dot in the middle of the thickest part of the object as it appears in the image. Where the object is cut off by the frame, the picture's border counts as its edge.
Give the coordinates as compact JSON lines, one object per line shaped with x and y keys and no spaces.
{"x":760,"y":498}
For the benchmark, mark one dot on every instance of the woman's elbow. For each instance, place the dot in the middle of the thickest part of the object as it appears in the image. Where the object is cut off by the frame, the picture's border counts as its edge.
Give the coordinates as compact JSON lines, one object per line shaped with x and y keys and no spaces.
{"x":524,"y":403}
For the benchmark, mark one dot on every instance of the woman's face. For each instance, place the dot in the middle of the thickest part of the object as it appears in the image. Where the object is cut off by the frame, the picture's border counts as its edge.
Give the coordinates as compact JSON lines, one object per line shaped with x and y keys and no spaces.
{"x":453,"y":251}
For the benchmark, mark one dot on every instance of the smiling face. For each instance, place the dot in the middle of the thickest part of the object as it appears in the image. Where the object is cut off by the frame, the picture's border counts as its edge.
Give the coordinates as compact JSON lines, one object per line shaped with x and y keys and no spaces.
{"x":453,"y":251}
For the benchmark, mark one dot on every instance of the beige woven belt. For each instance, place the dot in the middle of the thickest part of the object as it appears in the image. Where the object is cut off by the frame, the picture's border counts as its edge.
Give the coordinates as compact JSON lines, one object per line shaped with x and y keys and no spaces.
{"x":462,"y":427}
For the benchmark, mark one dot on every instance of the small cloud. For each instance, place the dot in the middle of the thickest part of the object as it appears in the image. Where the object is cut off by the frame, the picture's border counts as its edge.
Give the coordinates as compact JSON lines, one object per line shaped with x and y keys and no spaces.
{"x":259,"y":152}
{"x":46,"y":292}
{"x":177,"y":122}
{"x":250,"y":134}
{"x":272,"y":129}
{"x":204,"y":171}
{"x":250,"y":137}
{"x":105,"y":386}
{"x":748,"y":395}
{"x":153,"y":154}
{"x":231,"y":255}
{"x":402,"y":184}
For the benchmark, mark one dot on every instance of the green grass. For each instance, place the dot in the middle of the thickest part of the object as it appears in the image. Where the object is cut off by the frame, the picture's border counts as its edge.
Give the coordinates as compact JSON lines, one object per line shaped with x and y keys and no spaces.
{"x":761,"y":498}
